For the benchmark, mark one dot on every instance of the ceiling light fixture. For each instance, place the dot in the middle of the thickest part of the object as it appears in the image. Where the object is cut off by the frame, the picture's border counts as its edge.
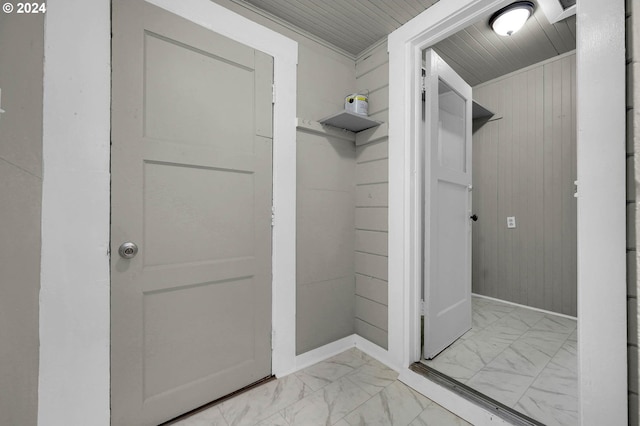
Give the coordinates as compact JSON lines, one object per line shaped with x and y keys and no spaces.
{"x":508,"y":20}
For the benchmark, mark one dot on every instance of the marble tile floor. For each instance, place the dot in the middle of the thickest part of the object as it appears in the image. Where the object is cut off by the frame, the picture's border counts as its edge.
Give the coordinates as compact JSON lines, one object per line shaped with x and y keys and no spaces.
{"x":523,"y":358}
{"x":348,"y":389}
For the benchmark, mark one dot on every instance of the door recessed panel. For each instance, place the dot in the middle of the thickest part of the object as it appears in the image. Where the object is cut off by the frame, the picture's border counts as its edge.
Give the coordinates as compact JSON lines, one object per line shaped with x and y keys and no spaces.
{"x":184,"y":101}
{"x":452,"y":128}
{"x":186,"y":325}
{"x":452,"y":227}
{"x":196,"y":214}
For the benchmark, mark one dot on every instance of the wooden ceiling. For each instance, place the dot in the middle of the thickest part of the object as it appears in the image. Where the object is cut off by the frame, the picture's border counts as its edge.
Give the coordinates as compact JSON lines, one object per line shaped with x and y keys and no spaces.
{"x":351,"y":25}
{"x":476,"y":53}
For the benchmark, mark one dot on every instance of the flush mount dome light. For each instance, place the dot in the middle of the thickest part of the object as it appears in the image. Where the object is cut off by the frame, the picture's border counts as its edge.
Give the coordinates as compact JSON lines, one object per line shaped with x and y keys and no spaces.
{"x":510,"y":19}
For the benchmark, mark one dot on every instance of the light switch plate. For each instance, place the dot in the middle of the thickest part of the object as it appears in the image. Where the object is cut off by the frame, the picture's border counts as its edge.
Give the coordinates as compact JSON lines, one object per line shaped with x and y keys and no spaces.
{"x":511,"y":222}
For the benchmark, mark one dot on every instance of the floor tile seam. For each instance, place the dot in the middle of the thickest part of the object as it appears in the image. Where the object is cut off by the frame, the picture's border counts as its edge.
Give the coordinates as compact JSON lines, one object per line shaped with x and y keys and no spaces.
{"x":519,"y":353}
{"x":557,"y":351}
{"x":503,"y":402}
{"x":474,"y":375}
{"x":534,"y":380}
{"x":356,"y":384}
{"x":282,"y":410}
{"x":507,"y":372}
{"x":534,"y":324}
{"x":549,"y":389}
{"x":490,"y":361}
{"x":418,"y":415}
{"x":485,"y":363}
{"x":561,"y":346}
{"x":226,"y":422}
{"x":360,"y":405}
{"x":522,"y":394}
{"x":365,"y":391}
{"x":554,"y":352}
{"x":511,"y":369}
{"x":329,"y":381}
{"x":222,"y":413}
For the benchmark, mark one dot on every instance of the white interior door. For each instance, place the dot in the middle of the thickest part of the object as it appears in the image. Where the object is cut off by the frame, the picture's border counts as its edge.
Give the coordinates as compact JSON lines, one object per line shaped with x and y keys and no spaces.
{"x":192,"y":187}
{"x":447,"y":207}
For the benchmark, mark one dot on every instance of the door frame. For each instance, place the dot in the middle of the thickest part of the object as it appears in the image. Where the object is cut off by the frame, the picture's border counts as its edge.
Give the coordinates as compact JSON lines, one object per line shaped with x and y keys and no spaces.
{"x":601,"y":195}
{"x":75,"y":275}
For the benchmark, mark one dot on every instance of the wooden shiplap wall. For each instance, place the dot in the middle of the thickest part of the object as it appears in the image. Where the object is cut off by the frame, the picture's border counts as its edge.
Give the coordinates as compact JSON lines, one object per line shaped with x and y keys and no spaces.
{"x":524,"y":165}
{"x":372,"y":194}
{"x":633,"y":203}
{"x":325,"y":237}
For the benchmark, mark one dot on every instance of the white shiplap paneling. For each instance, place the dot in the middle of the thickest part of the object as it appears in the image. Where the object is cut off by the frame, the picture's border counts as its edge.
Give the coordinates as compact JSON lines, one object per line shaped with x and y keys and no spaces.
{"x":525,"y":166}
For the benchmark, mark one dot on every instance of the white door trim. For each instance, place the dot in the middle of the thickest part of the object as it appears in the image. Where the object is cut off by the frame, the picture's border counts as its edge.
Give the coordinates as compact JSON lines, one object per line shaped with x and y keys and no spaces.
{"x":74,"y":296}
{"x":601,"y":201}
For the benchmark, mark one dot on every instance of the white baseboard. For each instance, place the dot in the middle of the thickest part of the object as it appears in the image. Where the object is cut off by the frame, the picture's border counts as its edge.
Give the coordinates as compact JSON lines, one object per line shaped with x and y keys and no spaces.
{"x":375,"y":351}
{"x":453,"y":402}
{"x":525,"y":306}
{"x":323,"y":352}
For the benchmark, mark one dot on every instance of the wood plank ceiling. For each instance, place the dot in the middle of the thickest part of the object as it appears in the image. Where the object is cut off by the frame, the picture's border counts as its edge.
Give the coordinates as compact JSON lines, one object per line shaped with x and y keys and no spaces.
{"x":351,"y":25}
{"x":476,"y":53}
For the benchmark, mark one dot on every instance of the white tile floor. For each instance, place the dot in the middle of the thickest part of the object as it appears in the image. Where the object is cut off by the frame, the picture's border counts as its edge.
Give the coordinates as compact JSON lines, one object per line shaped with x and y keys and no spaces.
{"x":348,"y":389}
{"x":523,"y":358}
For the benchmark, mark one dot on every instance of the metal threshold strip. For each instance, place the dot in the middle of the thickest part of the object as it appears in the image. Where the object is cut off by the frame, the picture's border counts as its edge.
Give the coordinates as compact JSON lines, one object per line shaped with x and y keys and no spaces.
{"x":506,"y":413}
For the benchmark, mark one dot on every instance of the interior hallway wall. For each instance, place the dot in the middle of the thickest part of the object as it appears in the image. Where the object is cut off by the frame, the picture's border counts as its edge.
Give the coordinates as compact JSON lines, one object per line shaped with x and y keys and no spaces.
{"x":21,"y":72}
{"x":325,"y":193}
{"x":524,"y":165}
{"x":372,"y":202}
{"x":633,"y":203}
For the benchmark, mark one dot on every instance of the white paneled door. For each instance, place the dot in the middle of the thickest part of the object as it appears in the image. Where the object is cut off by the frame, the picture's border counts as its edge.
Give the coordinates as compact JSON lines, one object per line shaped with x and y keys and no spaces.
{"x":447,"y":207}
{"x":192,"y":189}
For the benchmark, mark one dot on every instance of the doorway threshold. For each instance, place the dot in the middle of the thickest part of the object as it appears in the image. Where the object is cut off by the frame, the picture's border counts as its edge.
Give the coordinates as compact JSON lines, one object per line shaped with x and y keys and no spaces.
{"x":504,"y":412}
{"x":218,"y":401}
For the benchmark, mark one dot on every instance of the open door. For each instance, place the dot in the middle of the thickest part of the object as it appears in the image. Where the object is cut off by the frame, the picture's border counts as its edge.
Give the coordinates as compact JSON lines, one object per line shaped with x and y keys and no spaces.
{"x":447,"y":206}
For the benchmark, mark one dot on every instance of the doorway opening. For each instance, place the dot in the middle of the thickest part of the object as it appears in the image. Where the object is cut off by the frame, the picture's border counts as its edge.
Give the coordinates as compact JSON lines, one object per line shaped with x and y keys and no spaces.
{"x":513,"y":337}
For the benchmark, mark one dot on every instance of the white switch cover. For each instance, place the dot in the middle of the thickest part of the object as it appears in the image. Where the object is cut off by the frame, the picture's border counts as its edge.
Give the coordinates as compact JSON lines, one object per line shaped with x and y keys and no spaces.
{"x":511,"y":221}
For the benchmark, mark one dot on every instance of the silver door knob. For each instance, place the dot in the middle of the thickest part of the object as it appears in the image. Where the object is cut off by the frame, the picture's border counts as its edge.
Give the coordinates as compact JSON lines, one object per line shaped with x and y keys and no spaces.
{"x":128,"y":250}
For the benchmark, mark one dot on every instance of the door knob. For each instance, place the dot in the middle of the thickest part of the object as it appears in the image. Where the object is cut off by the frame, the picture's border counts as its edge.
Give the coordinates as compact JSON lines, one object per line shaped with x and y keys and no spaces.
{"x":128,"y":250}
{"x":474,"y":218}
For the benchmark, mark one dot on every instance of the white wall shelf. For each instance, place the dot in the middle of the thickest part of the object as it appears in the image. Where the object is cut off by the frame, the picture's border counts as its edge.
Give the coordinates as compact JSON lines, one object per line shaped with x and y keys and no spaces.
{"x":350,"y":121}
{"x":481,"y":112}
